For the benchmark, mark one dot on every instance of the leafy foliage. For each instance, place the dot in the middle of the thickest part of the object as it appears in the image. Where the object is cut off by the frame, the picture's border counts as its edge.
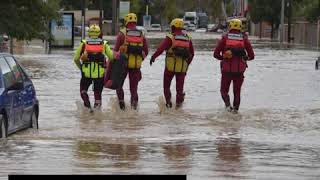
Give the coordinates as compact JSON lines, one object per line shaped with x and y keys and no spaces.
{"x":312,"y":10}
{"x":25,"y":19}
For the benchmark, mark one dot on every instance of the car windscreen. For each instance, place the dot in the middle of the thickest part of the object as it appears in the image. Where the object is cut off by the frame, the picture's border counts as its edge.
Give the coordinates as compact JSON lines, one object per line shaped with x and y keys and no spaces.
{"x":189,"y":18}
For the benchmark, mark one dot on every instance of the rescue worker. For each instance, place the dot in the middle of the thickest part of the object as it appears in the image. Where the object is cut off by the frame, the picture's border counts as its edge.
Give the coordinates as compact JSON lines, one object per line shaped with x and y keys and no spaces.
{"x":132,"y":43}
{"x":90,"y":59}
{"x":179,"y":55}
{"x":233,"y":50}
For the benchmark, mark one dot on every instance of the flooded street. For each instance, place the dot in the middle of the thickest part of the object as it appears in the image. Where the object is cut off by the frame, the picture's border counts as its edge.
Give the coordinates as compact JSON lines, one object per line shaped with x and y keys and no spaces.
{"x":275,"y":135}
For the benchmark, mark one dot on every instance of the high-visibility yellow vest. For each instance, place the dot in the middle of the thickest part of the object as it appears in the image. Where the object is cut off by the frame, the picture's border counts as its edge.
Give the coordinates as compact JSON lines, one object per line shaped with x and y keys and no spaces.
{"x":133,"y":47}
{"x":94,"y":63}
{"x":178,"y":54}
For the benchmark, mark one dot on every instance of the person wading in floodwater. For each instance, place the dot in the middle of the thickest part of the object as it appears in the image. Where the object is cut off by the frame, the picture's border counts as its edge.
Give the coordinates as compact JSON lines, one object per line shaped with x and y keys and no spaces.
{"x":179,"y":55}
{"x":233,"y":51}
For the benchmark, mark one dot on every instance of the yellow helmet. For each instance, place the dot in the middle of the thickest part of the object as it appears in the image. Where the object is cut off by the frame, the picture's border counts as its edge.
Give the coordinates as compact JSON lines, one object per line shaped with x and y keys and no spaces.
{"x":177,"y":22}
{"x":94,"y":31}
{"x":131,"y":17}
{"x":235,"y":24}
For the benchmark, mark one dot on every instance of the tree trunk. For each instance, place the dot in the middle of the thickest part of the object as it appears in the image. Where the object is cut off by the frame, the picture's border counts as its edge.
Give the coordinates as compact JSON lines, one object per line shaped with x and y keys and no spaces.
{"x":260,"y":33}
{"x":224,"y":10}
{"x":272,"y":31}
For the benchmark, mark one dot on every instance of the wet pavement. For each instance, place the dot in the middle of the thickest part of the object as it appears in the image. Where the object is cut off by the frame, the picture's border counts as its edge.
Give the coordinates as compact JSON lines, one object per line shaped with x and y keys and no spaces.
{"x":275,"y":135}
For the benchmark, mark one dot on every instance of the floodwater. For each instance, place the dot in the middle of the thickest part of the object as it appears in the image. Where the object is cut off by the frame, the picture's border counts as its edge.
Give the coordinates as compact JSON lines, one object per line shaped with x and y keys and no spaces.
{"x":275,"y":135}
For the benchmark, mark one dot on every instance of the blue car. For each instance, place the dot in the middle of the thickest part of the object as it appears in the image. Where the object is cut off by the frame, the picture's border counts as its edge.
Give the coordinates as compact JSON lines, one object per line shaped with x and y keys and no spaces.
{"x":19,"y":106}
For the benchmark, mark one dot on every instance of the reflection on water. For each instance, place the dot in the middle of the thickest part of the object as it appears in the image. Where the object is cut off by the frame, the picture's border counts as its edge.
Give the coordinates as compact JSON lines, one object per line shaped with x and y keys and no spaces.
{"x":178,"y":155}
{"x":95,"y":154}
{"x":229,"y":150}
{"x":230,"y":161}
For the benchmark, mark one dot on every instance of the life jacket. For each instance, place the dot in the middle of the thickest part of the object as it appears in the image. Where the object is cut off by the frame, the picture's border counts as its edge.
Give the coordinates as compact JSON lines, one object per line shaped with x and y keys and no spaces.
{"x":179,"y":52}
{"x":133,"y":47}
{"x":93,"y":65}
{"x":235,"y":43}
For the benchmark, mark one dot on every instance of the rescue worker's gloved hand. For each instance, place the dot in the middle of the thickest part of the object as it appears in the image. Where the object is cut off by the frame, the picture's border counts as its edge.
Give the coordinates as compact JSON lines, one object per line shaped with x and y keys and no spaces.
{"x":227,"y":54}
{"x":152,"y":61}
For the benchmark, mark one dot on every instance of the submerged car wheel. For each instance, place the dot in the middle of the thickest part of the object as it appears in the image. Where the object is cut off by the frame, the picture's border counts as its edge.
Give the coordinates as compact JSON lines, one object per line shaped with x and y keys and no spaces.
{"x":3,"y":127}
{"x":34,"y":120}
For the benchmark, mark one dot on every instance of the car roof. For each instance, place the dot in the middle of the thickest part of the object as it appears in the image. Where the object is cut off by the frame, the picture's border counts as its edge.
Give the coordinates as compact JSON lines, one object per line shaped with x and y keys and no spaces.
{"x":5,"y":54}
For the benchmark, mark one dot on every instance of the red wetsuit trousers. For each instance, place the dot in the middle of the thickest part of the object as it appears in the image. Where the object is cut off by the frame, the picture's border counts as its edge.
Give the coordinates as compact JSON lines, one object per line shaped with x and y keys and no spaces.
{"x":167,"y":78}
{"x":226,"y":79}
{"x":134,"y":78}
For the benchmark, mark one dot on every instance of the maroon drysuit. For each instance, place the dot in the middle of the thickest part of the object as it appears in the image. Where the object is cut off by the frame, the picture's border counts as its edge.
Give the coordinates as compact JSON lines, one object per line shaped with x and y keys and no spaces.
{"x":233,"y":69}
{"x":134,"y":74}
{"x":168,"y":76}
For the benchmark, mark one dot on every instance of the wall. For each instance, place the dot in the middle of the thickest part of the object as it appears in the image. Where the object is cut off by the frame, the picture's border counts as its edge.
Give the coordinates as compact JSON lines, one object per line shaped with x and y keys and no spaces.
{"x":302,"y":32}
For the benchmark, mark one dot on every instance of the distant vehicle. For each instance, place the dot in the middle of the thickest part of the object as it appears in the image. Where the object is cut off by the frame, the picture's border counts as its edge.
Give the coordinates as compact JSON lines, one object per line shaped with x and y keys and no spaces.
{"x":186,"y":25}
{"x":78,"y":30}
{"x":191,"y":17}
{"x":201,"y":30}
{"x":19,"y":106}
{"x":141,"y":28}
{"x":203,"y":20}
{"x":155,"y":27}
{"x":218,"y":28}
{"x":189,"y":26}
{"x":200,"y":19}
{"x":192,"y":27}
{"x":210,"y":26}
{"x":220,"y":31}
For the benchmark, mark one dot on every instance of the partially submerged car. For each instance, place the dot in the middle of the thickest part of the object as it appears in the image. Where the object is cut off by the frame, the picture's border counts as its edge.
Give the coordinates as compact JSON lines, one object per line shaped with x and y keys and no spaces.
{"x":19,"y":106}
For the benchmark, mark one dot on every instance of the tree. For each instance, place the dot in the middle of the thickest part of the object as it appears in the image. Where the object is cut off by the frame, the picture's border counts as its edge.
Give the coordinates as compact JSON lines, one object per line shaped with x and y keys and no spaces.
{"x":25,"y":19}
{"x":164,"y":10}
{"x":136,"y":6}
{"x":263,"y":10}
{"x":312,"y":10}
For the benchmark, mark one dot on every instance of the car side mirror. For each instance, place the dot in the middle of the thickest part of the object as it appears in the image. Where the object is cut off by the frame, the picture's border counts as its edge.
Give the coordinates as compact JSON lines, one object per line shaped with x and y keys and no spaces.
{"x":16,"y":86}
